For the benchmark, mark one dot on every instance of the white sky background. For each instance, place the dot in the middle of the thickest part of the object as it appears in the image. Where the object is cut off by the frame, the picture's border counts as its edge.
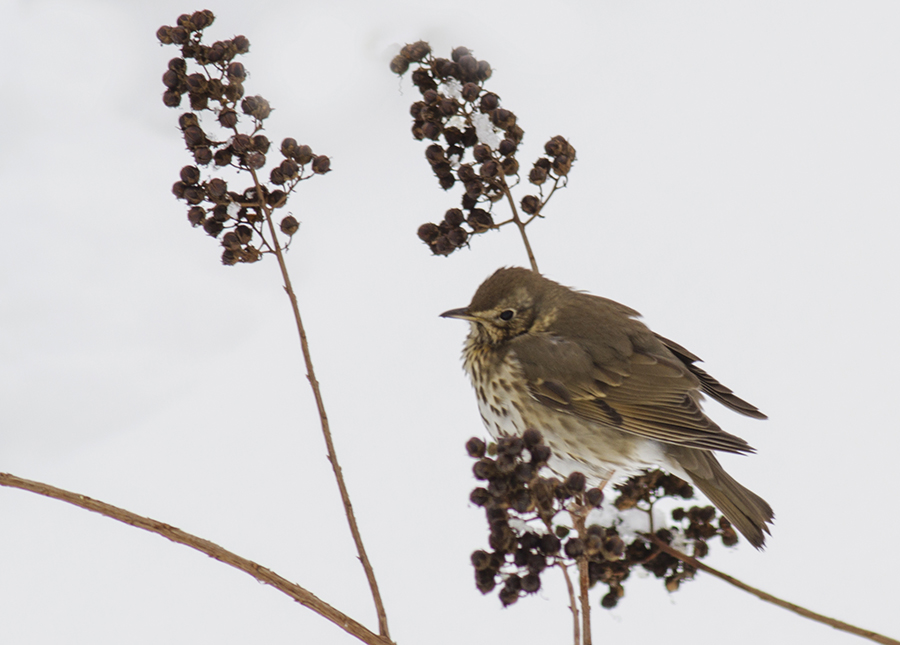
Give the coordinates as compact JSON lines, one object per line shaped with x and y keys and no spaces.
{"x":736,"y":182}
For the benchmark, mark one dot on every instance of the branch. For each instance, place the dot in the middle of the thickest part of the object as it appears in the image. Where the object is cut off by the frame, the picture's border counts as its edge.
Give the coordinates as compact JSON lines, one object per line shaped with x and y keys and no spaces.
{"x":295,"y":591}
{"x":323,"y":417}
{"x":573,"y":603}
{"x":762,"y":595}
{"x":521,"y":225}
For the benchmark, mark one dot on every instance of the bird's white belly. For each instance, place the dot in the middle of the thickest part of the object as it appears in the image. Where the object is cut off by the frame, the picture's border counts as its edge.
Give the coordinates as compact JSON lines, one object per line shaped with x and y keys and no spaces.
{"x":601,"y":452}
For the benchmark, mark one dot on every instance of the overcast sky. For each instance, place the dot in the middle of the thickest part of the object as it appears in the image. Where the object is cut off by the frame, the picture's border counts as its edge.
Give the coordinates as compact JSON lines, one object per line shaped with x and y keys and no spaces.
{"x":736,"y":182}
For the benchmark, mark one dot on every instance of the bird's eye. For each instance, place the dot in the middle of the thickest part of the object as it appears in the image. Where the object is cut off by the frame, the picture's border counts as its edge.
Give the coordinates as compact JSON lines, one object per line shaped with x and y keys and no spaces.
{"x":507,"y":315}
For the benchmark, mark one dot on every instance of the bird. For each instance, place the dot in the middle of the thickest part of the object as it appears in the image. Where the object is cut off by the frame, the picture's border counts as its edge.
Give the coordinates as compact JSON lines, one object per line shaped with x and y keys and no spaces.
{"x":611,"y":397}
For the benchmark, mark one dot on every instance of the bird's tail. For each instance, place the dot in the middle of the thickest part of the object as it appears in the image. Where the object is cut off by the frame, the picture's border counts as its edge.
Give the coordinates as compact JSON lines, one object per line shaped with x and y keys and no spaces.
{"x":747,"y":511}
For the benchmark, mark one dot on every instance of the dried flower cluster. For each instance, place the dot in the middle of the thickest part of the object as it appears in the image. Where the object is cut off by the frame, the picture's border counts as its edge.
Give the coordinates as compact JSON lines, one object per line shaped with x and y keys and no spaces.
{"x":460,"y":116}
{"x":217,"y":88}
{"x":527,"y":515}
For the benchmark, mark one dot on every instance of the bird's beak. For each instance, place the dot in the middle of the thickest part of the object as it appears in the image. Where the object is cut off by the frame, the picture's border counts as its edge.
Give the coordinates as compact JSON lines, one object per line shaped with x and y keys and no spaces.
{"x":462,"y":314}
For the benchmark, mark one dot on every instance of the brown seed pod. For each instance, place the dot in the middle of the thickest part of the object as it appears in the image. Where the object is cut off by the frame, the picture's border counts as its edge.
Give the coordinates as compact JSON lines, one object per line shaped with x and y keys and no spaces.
{"x":257,"y":107}
{"x":194,"y":136}
{"x":289,"y":168}
{"x":233,"y":91}
{"x":222,"y":157}
{"x":531,"y":204}
{"x":230,"y":241}
{"x":244,"y":233}
{"x":171,"y":98}
{"x":171,"y":79}
{"x":490,"y":168}
{"x":277,"y":176}
{"x":289,"y":225}
{"x":484,"y":70}
{"x":480,"y":220}
{"x":164,"y":35}
{"x":459,"y":52}
{"x":190,"y":174}
{"x":261,"y":143}
{"x":179,"y":35}
{"x":428,"y":232}
{"x":303,"y":155}
{"x":236,"y":72}
{"x":416,"y":51}
{"x":255,"y":160}
{"x":196,"y":215}
{"x":399,"y":65}
{"x":216,"y":188}
{"x":199,"y":101}
{"x":241,"y":44}
{"x":507,"y":147}
{"x":470,"y":92}
{"x":241,"y":143}
{"x":321,"y":164}
{"x":510,"y":166}
{"x":228,"y":118}
{"x":203,"y":155}
{"x":212,"y":227}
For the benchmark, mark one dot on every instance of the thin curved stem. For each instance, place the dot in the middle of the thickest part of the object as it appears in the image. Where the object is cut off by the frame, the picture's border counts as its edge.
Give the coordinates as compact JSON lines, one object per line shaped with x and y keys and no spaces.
{"x":323,"y":417}
{"x":762,"y":595}
{"x":266,"y":576}
{"x":521,"y":225}
{"x":573,"y":602}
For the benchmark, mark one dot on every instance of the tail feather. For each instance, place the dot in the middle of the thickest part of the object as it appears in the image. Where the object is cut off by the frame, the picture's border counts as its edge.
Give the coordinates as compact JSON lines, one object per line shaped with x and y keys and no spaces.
{"x":748,"y":512}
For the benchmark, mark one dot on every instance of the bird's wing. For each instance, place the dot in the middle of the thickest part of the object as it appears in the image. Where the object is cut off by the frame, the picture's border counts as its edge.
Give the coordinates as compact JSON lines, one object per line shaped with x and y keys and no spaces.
{"x":630,"y":382}
{"x":708,"y":384}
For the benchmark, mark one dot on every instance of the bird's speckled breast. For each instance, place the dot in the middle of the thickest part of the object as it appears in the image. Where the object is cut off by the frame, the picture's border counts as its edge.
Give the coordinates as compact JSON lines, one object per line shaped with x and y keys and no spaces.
{"x":508,"y":408}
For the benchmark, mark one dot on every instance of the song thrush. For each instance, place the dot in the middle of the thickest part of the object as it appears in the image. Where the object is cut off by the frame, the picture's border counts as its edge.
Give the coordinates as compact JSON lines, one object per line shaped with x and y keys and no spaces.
{"x":610,"y":396}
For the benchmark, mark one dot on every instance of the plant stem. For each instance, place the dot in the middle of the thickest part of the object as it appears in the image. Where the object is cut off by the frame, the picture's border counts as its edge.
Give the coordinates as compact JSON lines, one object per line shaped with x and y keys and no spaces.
{"x":323,"y":417}
{"x":266,"y":576}
{"x":515,"y":216}
{"x":573,"y":602}
{"x":762,"y":595}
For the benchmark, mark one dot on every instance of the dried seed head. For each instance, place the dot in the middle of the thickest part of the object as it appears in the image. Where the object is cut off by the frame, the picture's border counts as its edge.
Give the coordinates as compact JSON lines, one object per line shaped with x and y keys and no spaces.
{"x":203,"y":155}
{"x":164,"y":34}
{"x":459,"y":52}
{"x":241,"y":44}
{"x":531,"y":204}
{"x":257,"y":107}
{"x":196,"y":215}
{"x":321,"y":164}
{"x":470,"y":92}
{"x":261,"y":143}
{"x":216,"y":188}
{"x":171,"y":98}
{"x":289,"y":225}
{"x":222,"y":157}
{"x":255,"y":160}
{"x":416,"y":51}
{"x":303,"y":155}
{"x":236,"y":72}
{"x":190,"y":174}
{"x":399,"y":64}
{"x":228,"y":118}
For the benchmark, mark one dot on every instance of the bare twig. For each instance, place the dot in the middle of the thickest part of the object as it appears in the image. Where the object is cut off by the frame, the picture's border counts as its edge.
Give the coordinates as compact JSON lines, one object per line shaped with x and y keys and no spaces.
{"x":762,"y":595}
{"x":521,"y":225}
{"x":323,"y":417}
{"x":295,"y":591}
{"x":578,"y":520}
{"x":573,"y":602}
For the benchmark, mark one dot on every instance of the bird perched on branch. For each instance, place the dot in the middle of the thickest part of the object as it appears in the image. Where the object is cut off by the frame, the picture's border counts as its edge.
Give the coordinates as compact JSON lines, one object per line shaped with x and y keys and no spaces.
{"x":611,"y":397}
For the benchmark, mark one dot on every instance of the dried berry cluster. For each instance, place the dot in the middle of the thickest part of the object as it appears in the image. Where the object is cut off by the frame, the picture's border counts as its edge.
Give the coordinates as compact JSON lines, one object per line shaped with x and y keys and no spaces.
{"x":217,"y":87}
{"x":459,"y":116}
{"x":528,"y":534}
